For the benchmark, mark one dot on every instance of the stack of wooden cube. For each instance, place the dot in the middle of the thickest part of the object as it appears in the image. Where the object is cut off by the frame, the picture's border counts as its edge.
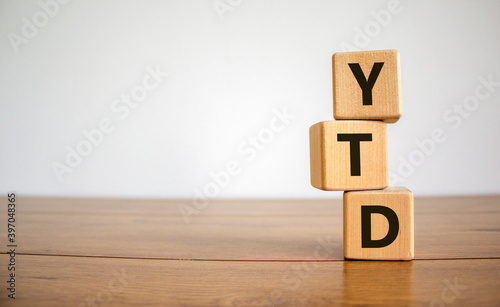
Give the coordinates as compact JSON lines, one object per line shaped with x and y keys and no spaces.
{"x":350,"y":155}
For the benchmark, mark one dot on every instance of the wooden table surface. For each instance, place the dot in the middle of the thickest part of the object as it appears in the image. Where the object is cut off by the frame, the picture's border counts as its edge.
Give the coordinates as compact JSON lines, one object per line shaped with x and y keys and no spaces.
{"x":115,"y":252}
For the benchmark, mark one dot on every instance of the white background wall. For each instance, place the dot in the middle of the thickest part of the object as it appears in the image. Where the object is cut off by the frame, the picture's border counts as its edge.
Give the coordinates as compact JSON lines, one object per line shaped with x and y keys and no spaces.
{"x":229,"y":71}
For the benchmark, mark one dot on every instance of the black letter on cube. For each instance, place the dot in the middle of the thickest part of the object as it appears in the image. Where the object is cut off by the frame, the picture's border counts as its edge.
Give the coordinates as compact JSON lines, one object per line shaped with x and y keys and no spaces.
{"x":366,"y":226}
{"x":354,"y":139}
{"x":366,"y":85}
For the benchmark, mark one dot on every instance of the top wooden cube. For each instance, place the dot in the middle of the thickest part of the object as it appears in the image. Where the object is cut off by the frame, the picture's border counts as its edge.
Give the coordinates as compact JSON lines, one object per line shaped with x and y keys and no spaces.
{"x":367,"y":85}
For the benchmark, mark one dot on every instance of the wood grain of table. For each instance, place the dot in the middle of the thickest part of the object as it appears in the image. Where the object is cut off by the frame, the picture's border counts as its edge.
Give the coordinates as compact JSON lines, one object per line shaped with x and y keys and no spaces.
{"x":115,"y":252}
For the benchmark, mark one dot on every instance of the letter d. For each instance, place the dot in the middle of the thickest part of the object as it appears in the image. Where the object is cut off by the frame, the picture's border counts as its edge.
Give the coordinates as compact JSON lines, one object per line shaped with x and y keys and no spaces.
{"x":360,"y":38}
{"x":50,"y":7}
{"x":94,"y":136}
{"x":405,"y":168}
{"x":426,"y":145}
{"x":383,"y":17}
{"x":73,"y":159}
{"x":28,"y":30}
{"x":366,"y":226}
{"x":222,"y":178}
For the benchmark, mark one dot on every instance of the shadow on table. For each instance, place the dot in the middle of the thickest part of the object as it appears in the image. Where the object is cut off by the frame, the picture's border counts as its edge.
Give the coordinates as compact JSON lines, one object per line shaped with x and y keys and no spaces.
{"x":378,"y":282}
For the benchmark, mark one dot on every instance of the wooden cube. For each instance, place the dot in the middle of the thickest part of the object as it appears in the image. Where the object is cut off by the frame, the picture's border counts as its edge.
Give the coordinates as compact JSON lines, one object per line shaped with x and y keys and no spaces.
{"x":349,"y":155}
{"x":367,"y":85}
{"x":378,"y":225}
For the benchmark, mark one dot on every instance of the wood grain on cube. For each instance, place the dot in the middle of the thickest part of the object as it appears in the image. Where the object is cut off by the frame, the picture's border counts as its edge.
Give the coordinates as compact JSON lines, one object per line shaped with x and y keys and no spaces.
{"x":397,"y":200}
{"x":332,"y":144}
{"x":367,"y":85}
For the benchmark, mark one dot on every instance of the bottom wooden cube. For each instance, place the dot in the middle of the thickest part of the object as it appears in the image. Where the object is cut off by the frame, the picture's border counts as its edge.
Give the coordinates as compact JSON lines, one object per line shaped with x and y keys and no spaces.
{"x":378,"y":224}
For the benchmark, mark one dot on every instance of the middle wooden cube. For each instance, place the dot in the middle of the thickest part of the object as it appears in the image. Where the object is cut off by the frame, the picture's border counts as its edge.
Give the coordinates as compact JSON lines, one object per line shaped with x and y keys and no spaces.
{"x":349,"y":155}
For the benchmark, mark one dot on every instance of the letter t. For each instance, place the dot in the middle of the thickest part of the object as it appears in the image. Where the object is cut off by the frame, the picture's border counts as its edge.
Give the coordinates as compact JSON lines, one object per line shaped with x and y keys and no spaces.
{"x":354,"y":139}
